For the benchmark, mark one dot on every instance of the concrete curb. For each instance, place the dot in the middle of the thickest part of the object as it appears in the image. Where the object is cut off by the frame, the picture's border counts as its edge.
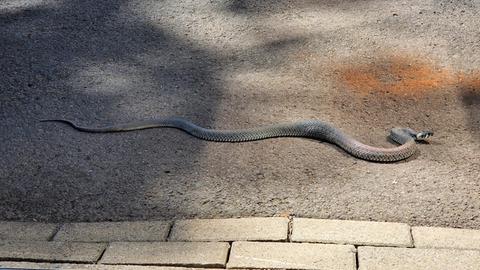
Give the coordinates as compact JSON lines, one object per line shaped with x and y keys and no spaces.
{"x":253,"y":243}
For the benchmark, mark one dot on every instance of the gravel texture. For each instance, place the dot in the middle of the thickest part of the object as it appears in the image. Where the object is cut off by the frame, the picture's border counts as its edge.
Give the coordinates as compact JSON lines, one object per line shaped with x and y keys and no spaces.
{"x":365,"y":66}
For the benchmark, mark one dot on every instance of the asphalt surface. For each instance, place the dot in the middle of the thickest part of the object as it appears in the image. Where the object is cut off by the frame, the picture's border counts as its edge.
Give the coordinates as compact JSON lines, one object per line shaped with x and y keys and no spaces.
{"x":365,"y":66}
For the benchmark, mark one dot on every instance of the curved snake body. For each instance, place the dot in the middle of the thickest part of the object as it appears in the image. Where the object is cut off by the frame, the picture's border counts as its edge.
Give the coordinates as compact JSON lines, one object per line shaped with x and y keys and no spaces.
{"x":313,"y":129}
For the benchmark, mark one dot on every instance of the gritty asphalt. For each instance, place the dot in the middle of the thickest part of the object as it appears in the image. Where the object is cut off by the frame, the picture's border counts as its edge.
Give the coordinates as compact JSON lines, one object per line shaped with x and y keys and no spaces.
{"x":365,"y":66}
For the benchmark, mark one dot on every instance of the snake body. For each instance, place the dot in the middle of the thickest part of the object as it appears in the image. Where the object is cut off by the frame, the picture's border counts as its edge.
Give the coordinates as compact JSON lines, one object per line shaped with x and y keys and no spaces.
{"x":313,"y":129}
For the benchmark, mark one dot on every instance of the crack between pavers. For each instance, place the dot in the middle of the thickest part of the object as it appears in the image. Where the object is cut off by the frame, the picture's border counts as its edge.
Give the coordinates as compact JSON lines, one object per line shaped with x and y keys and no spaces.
{"x":7,"y":259}
{"x":187,"y":265}
{"x":229,"y":253}
{"x":412,"y":240}
{"x":290,"y":228}
{"x":170,"y":229}
{"x":357,"y":263}
{"x":102,"y":253}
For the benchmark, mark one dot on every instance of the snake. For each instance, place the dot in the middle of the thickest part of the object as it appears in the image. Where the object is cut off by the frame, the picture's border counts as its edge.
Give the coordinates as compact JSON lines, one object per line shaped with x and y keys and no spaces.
{"x":406,"y":138}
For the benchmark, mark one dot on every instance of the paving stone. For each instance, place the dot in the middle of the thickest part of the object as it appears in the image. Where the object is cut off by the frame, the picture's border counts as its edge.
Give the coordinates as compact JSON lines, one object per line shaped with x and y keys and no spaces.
{"x":351,"y":232}
{"x":114,"y":231}
{"x":43,"y":266}
{"x":200,"y":254}
{"x":51,"y":251}
{"x":234,"y":229}
{"x":292,"y":256}
{"x":434,"y":237}
{"x":28,"y":231}
{"x":381,"y":258}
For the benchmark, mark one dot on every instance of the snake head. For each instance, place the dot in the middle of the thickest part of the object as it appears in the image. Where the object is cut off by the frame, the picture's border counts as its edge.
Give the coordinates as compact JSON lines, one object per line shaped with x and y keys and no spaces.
{"x":423,"y":135}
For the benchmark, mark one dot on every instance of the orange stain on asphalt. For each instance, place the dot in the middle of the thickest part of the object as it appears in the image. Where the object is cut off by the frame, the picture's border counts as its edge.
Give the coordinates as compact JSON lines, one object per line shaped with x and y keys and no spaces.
{"x":398,"y":75}
{"x":470,"y":81}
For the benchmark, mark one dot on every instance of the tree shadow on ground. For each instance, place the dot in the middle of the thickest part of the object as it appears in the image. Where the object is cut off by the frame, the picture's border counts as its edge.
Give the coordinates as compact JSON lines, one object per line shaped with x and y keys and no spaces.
{"x":95,"y":63}
{"x":277,"y":6}
{"x":470,"y":96}
{"x":83,"y":61}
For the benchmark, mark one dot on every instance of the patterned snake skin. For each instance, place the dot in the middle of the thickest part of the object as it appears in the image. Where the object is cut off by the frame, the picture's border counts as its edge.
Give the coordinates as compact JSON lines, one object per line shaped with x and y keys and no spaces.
{"x":309,"y":129}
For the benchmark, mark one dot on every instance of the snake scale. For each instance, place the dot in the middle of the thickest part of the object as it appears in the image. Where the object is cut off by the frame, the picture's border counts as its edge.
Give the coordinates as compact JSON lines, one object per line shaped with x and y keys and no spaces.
{"x":314,"y":129}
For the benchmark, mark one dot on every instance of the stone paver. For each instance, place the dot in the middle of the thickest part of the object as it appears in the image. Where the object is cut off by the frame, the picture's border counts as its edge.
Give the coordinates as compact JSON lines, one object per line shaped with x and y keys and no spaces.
{"x":51,"y":251}
{"x":201,"y":254}
{"x":433,"y":237}
{"x":114,"y":231}
{"x":234,"y":229}
{"x":43,"y":266}
{"x":28,"y":231}
{"x":381,"y":258}
{"x":292,"y":256}
{"x":257,"y":243}
{"x":351,"y":232}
